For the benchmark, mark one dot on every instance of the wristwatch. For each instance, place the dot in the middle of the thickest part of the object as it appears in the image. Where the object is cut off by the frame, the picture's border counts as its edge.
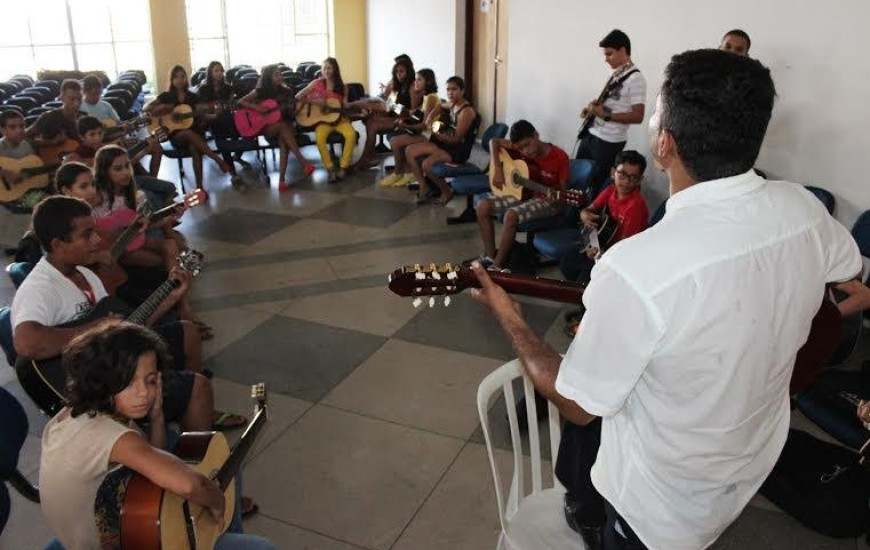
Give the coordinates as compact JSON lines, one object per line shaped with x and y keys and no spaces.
{"x":606,"y":116}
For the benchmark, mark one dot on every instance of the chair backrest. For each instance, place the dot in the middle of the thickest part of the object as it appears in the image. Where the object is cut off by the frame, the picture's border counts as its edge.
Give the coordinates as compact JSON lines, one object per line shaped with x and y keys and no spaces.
{"x":6,"y":335}
{"x":861,"y":232}
{"x":658,"y":214}
{"x":243,"y":85}
{"x":18,"y":271}
{"x":502,"y":381}
{"x":581,"y":174}
{"x":355,"y":91}
{"x":495,"y":130}
{"x":825,"y":196}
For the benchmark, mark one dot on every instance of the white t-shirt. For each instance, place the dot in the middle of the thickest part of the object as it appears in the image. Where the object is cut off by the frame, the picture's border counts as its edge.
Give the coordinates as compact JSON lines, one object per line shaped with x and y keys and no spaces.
{"x":687,"y":348}
{"x":631,"y":92}
{"x":49,"y":298}
{"x":103,"y":110}
{"x":74,"y":462}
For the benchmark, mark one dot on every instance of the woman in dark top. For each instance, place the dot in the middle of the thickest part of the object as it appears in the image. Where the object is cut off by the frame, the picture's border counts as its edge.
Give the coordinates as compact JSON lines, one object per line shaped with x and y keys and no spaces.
{"x":271,"y":86}
{"x":452,"y":145}
{"x":177,"y":94}
{"x":216,"y":96}
{"x":399,"y":91}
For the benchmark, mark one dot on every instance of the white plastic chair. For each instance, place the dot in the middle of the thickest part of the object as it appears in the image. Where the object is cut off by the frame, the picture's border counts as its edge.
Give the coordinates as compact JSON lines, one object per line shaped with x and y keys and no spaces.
{"x":535,"y":520}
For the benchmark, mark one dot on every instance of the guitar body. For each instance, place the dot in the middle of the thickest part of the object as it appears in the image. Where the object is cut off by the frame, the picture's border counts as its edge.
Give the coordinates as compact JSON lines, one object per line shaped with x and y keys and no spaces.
{"x":118,"y":221}
{"x":44,"y":380}
{"x":250,"y":123}
{"x":607,"y":229}
{"x":14,"y":190}
{"x":180,"y":118}
{"x":54,"y":153}
{"x":112,"y":276}
{"x":512,"y":163}
{"x":309,"y":114}
{"x":154,"y":519}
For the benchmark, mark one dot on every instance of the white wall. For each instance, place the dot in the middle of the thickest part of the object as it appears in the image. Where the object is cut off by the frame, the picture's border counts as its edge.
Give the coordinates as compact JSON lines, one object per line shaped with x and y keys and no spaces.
{"x":820,"y":131}
{"x":432,"y":32}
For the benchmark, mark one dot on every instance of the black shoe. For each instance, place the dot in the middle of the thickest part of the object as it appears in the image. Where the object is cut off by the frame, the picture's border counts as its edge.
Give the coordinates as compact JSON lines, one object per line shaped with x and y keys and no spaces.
{"x":591,"y":535}
{"x":468,"y":216}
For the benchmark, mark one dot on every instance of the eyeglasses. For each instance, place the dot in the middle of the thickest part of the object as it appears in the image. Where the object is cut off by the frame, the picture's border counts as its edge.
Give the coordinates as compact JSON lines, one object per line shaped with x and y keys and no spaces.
{"x":632,"y":178}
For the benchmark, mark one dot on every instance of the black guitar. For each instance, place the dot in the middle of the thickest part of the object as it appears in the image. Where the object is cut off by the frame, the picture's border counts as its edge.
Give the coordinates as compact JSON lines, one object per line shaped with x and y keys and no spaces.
{"x":613,"y":83}
{"x":44,"y":380}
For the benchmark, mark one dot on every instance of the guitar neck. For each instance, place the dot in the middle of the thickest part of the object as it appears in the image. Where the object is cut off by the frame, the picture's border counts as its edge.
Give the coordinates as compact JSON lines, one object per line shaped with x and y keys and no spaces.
{"x":150,"y":305}
{"x":536,"y":287}
{"x":234,"y":462}
{"x":123,"y":241}
{"x":39,"y":170}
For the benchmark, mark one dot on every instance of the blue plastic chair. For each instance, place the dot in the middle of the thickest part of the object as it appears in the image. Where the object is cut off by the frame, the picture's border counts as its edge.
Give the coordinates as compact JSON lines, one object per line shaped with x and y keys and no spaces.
{"x":825,"y":196}
{"x":6,"y":335}
{"x":475,"y":181}
{"x":658,"y":214}
{"x":18,"y":271}
{"x":13,"y":432}
{"x":861,"y":233}
{"x":445,"y":170}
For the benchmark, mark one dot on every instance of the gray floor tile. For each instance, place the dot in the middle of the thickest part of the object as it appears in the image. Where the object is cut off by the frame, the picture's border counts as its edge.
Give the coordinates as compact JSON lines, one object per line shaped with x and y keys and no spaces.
{"x":298,"y":358}
{"x":237,"y":225}
{"x":364,"y":211}
{"x":758,"y":529}
{"x":469,"y":327}
{"x":291,"y":537}
{"x":350,"y":185}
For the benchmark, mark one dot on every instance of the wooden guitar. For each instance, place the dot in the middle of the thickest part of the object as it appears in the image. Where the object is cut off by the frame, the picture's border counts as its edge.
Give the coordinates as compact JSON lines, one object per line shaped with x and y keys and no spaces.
{"x":136,"y":514}
{"x":18,"y":176}
{"x":602,"y":237}
{"x":250,"y":123}
{"x":418,"y":281}
{"x":52,"y":154}
{"x":180,"y":118}
{"x":615,"y":80}
{"x":520,"y":174}
{"x":854,"y":400}
{"x":136,"y":146}
{"x":112,"y":131}
{"x":312,"y":114}
{"x":130,"y":238}
{"x":44,"y":380}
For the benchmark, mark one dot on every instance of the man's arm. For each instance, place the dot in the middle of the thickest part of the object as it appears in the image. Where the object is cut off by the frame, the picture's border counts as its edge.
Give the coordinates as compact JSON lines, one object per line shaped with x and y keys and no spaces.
{"x":37,"y":341}
{"x":858,"y":299}
{"x":541,"y":362}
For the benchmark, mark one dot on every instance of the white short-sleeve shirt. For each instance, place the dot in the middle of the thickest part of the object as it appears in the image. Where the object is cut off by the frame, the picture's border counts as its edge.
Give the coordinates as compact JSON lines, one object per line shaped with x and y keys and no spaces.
{"x":631,"y":92}
{"x":49,"y":298}
{"x":687,"y":347}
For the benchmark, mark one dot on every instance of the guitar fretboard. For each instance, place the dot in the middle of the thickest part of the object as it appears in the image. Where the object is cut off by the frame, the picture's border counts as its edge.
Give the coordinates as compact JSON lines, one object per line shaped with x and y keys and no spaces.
{"x":149,"y":306}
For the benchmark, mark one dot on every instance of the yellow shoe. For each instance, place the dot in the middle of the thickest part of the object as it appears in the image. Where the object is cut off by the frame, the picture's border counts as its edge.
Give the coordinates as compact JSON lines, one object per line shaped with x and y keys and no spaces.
{"x":406,"y":180}
{"x":390,"y":180}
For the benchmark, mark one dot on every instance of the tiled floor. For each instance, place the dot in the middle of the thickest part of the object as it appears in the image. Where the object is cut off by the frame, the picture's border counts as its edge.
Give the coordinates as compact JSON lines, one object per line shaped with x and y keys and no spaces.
{"x":373,"y":440}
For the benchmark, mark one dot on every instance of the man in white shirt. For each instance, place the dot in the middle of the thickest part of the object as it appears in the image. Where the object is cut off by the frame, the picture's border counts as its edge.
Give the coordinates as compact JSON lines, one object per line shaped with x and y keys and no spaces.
{"x":624,"y":105}
{"x":93,"y":105}
{"x":692,"y":327}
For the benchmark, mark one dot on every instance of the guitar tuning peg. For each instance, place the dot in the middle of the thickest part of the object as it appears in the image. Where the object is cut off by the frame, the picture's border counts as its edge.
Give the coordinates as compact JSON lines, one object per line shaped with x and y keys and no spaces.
{"x":417,"y":302}
{"x":446,"y":301}
{"x":431,"y":301}
{"x":451,"y":276}
{"x":436,"y":275}
{"x":419,"y":275}
{"x":389,"y":278}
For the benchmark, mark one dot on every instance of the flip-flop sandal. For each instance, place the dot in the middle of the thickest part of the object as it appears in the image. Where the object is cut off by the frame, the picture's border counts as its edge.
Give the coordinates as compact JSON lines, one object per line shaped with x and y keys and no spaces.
{"x":248,"y":507}
{"x":228,"y":421}
{"x":206,"y":332}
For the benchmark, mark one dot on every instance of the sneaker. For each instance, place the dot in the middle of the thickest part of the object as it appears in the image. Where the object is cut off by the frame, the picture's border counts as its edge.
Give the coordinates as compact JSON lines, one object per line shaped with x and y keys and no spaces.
{"x":406,"y":180}
{"x":283,"y":186}
{"x":391,"y":180}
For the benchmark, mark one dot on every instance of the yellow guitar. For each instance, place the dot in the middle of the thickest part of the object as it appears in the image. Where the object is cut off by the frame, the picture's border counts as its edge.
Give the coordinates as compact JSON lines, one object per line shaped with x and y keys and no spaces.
{"x":18,"y":176}
{"x":520,"y":173}
{"x":180,"y":118}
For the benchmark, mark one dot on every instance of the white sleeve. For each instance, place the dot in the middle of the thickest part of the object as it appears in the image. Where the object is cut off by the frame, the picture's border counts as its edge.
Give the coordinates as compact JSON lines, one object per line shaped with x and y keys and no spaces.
{"x":613,"y":347}
{"x":637,"y":89}
{"x":843,"y":259}
{"x":31,"y":303}
{"x":113,"y":114}
{"x":95,"y":282}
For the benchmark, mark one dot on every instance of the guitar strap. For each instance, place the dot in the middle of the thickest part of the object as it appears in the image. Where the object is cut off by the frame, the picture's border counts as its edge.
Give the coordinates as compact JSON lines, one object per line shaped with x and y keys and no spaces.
{"x":616,"y":84}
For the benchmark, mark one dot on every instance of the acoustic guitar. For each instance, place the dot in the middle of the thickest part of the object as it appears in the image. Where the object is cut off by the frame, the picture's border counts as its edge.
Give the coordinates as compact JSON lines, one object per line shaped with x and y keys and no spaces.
{"x":180,"y":118}
{"x":602,"y":237}
{"x":44,"y":380}
{"x":312,"y":114}
{"x":520,"y":174}
{"x":130,"y":238}
{"x":250,"y":123}
{"x":418,"y":282}
{"x":52,"y":154}
{"x":18,"y":176}
{"x":112,"y":131}
{"x":135,"y":514}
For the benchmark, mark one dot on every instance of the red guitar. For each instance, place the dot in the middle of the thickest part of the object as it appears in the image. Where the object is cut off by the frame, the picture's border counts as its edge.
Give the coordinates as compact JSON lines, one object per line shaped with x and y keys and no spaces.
{"x":418,"y":281}
{"x":250,"y":123}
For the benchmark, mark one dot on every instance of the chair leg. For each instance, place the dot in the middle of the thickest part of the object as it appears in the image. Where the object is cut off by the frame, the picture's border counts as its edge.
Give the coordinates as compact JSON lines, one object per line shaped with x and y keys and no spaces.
{"x":467,"y":216}
{"x":181,"y":174}
{"x":23,"y":486}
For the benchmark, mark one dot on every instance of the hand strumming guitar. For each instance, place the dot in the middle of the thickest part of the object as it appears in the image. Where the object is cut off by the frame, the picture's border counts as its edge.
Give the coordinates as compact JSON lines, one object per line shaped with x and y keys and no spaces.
{"x":589,"y":218}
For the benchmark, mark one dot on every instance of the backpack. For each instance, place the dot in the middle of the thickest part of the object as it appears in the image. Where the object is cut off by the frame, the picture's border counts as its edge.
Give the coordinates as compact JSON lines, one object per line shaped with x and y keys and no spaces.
{"x":821,"y":485}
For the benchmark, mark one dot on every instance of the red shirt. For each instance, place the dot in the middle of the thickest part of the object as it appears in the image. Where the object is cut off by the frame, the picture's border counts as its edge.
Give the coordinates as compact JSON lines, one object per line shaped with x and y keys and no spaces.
{"x":630,"y":212}
{"x":553,"y":170}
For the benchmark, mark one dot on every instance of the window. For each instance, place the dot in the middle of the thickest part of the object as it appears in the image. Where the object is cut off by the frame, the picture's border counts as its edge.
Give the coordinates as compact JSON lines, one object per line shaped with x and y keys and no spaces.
{"x":272,"y":31}
{"x":85,"y":35}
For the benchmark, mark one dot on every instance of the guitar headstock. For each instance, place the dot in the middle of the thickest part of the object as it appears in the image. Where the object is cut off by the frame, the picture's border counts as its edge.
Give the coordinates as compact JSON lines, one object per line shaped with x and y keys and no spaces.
{"x":161,"y":133}
{"x":258,"y":394}
{"x":432,"y":280}
{"x":191,"y":261}
{"x":575,"y":198}
{"x":195,"y":198}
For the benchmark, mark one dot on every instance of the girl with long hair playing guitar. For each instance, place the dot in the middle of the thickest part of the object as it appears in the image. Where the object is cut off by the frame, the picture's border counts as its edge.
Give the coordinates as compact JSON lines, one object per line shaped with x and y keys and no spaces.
{"x":271,"y":87}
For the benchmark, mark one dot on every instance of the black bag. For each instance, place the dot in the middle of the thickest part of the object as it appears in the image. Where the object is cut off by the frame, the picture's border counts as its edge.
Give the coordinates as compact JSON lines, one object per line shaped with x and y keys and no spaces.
{"x":821,"y":485}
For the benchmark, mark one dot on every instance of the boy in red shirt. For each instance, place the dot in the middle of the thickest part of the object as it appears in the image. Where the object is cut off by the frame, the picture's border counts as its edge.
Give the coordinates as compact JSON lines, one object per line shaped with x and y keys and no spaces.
{"x":554,"y":172}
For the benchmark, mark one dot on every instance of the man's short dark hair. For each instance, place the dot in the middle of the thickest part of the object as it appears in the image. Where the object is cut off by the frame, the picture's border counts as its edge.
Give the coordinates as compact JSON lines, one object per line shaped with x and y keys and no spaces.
{"x":53,"y":218}
{"x":631,"y":157}
{"x":8,"y":115}
{"x":741,"y":34}
{"x":70,"y":84}
{"x":67,"y":174}
{"x":717,"y":106}
{"x":521,"y":130}
{"x":616,"y":39}
{"x":91,"y":82}
{"x":88,"y":123}
{"x":101,"y":362}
